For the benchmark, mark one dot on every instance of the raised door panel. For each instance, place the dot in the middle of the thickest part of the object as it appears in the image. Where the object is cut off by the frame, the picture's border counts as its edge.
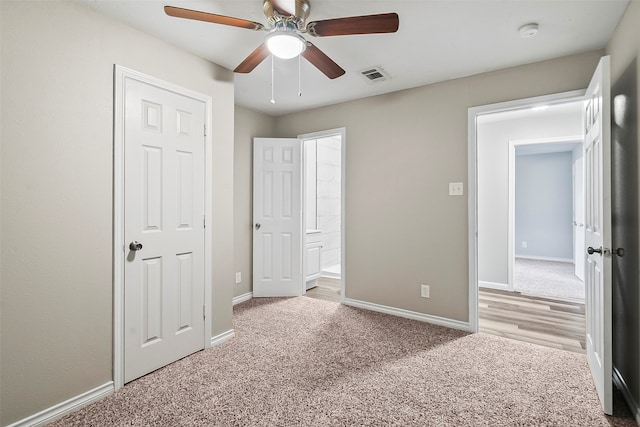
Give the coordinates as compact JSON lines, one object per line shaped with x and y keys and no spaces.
{"x":151,"y":298}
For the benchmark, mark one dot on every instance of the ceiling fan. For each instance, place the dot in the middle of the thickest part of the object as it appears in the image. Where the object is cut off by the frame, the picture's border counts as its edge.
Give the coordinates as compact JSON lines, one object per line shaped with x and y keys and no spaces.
{"x":286,"y":22}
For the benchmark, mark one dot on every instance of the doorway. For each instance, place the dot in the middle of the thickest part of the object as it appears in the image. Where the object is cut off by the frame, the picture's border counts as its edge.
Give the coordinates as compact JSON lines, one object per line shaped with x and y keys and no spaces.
{"x":323,"y":209}
{"x":596,"y":128}
{"x":546,"y":216}
{"x":529,"y":199}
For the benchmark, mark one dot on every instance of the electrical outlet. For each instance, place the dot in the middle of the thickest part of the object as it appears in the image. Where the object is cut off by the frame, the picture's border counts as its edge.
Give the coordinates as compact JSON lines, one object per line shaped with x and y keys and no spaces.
{"x":238,"y":277}
{"x":456,"y":189}
{"x":524,"y":244}
{"x":425,"y":291}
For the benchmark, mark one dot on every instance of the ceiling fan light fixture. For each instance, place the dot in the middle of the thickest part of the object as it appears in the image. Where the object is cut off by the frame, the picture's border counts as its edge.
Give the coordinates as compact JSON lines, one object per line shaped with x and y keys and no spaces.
{"x":285,"y":45}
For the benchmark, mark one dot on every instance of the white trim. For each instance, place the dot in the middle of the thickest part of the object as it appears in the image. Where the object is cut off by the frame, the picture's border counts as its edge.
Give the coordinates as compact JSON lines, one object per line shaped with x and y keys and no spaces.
{"x":220,"y":338}
{"x":59,"y":410}
{"x":208,"y":212}
{"x":495,"y":285}
{"x":545,"y":258}
{"x":120,"y":75}
{"x":242,"y":298}
{"x":436,"y":320}
{"x":330,"y":275}
{"x":472,"y":175}
{"x":511,"y":226}
{"x":511,"y":216}
{"x":343,"y":201}
{"x":118,"y":228}
{"x":621,"y":384}
{"x":472,"y":221}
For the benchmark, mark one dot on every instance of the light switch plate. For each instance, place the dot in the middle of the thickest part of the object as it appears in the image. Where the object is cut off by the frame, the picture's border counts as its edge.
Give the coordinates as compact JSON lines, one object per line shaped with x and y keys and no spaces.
{"x":238,"y":277}
{"x":456,"y":189}
{"x":425,"y":291}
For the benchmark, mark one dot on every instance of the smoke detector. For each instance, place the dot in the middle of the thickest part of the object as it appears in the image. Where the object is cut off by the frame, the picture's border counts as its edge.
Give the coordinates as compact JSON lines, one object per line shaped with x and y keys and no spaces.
{"x":528,"y":30}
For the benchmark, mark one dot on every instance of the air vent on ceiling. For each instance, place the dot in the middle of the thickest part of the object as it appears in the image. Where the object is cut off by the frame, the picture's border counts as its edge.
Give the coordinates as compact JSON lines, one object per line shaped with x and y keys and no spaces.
{"x":374,"y":74}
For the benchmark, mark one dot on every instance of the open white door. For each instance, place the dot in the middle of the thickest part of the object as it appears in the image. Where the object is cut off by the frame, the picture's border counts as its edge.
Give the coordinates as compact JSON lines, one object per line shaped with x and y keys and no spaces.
{"x":598,"y":231}
{"x":277,"y":217}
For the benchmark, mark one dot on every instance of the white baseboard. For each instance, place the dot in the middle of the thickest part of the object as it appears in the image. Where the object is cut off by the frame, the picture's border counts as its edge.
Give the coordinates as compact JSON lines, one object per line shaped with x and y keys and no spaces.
{"x":545,"y":258}
{"x":436,"y":320}
{"x":220,"y":338}
{"x":73,"y":404}
{"x":330,"y":275}
{"x":494,"y":285}
{"x":63,"y":408}
{"x":242,"y":298}
{"x":619,"y":381}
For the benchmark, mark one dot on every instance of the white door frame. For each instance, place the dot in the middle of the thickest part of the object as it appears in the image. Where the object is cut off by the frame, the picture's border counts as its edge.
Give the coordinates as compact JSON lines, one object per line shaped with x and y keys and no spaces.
{"x":343,"y":211}
{"x":472,"y":174}
{"x":511,"y":231}
{"x":121,"y":74}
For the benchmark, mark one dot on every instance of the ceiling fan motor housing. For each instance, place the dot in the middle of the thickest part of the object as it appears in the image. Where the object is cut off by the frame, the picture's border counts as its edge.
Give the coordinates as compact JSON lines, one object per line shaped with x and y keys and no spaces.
{"x":273,"y":8}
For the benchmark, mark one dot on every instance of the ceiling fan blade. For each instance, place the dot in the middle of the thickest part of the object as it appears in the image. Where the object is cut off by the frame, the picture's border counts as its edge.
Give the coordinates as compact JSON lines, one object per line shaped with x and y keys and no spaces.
{"x":367,"y":24}
{"x":179,"y":12}
{"x":322,"y":62}
{"x":253,"y":60}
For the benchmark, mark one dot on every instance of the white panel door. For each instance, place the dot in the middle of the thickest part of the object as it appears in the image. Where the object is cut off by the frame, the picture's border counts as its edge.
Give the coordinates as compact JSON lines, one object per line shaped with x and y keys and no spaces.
{"x":164,"y":213}
{"x":598,"y":231}
{"x":277,"y":217}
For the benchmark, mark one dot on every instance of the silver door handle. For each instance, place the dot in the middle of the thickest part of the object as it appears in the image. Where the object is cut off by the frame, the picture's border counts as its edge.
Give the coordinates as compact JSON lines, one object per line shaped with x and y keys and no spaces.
{"x":257,"y":226}
{"x":592,"y":251}
{"x":135,"y":246}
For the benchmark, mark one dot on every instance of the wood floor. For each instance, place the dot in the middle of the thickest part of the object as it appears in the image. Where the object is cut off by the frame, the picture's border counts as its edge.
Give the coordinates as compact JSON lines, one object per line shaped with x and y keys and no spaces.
{"x":328,"y":289}
{"x":538,"y":320}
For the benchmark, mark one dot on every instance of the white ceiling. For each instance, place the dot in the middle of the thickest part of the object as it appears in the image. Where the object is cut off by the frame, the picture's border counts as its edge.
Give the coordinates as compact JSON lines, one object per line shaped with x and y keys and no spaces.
{"x":437,"y":40}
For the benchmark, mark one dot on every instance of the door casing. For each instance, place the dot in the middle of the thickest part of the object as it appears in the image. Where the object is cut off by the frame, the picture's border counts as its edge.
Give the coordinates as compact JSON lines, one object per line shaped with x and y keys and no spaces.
{"x":120,"y":75}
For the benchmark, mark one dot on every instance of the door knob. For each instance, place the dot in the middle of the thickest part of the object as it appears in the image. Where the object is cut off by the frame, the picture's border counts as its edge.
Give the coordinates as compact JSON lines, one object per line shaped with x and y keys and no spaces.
{"x":135,"y":246}
{"x":592,"y":251}
{"x":619,"y":252}
{"x":257,"y":226}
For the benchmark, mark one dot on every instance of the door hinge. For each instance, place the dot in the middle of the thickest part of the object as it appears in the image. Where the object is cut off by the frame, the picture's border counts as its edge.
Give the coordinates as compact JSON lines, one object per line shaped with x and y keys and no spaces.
{"x":203,"y":313}
{"x":205,"y":130}
{"x":204,"y":221}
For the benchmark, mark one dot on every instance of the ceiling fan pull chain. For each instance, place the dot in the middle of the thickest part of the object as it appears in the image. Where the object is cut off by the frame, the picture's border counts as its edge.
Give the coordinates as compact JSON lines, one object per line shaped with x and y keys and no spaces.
{"x":299,"y":77}
{"x":273,"y":101}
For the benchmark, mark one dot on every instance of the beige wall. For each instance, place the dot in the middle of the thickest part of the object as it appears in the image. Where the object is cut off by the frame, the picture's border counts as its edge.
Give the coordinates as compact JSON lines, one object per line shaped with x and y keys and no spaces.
{"x":248,"y":124}
{"x":56,"y":249}
{"x":624,"y":48}
{"x":402,"y":150}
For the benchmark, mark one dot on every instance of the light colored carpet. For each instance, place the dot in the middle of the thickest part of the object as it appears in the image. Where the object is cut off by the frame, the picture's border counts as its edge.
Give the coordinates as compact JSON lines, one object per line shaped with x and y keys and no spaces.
{"x":307,"y":362}
{"x":548,"y":278}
